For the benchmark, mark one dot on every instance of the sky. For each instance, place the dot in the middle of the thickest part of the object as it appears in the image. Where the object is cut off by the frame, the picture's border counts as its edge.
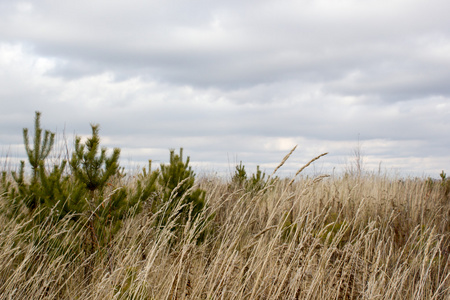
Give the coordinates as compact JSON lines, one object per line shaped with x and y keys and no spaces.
{"x":233,"y":81}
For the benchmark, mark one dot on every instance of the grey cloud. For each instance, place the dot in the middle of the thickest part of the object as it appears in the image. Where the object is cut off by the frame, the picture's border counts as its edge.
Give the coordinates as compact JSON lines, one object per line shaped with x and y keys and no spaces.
{"x":232,"y":78}
{"x":230,"y":45}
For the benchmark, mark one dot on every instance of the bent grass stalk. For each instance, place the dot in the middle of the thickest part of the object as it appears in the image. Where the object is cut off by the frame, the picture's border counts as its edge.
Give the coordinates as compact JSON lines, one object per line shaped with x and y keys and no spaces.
{"x":349,"y":238}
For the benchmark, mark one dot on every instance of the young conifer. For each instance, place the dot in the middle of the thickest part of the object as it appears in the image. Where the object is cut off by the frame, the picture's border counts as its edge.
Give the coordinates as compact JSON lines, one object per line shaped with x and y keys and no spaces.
{"x":177,"y":180}
{"x":60,"y":192}
{"x":41,"y":148}
{"x":89,"y":168}
{"x":145,"y":187}
{"x":257,"y":181}
{"x":31,"y":193}
{"x":92,"y":168}
{"x":240,"y":175}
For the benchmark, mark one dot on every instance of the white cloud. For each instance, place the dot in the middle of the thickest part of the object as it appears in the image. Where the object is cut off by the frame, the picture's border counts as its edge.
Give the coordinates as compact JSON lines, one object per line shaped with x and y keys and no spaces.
{"x":246,"y":79}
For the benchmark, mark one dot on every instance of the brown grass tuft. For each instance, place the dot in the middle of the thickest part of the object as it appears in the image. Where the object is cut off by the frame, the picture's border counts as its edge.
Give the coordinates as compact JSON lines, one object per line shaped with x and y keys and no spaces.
{"x":345,"y":237}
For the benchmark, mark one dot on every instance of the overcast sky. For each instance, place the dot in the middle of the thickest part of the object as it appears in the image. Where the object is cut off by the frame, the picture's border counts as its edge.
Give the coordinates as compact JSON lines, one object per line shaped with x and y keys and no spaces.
{"x":234,"y":80}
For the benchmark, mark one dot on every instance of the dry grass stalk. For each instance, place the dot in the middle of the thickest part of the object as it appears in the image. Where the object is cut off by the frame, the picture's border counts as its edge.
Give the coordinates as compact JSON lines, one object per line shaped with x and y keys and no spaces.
{"x":305,"y":166}
{"x":343,"y":238}
{"x":284,"y":160}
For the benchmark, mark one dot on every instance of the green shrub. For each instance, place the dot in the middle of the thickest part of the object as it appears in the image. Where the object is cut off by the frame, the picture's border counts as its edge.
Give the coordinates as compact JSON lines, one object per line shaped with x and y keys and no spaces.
{"x":31,"y":192}
{"x":84,"y":193}
{"x":92,"y":168}
{"x":145,"y":188}
{"x":13,"y":202}
{"x":60,"y":192}
{"x":87,"y":189}
{"x":253,"y":184}
{"x":41,"y":148}
{"x":445,"y":183}
{"x":240,"y":176}
{"x":179,"y":200}
{"x":258,"y":181}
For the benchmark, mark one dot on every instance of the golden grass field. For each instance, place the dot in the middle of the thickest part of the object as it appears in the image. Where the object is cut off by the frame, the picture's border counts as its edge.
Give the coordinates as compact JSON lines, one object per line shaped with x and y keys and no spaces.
{"x":341,"y":237}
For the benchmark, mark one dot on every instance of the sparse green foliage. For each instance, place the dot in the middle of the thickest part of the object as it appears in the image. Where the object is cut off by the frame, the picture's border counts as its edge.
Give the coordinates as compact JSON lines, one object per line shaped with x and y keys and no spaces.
{"x":240,"y":175}
{"x":258,"y":181}
{"x":89,"y":168}
{"x":13,"y":199}
{"x":31,"y":192}
{"x":41,"y":148}
{"x":105,"y":212}
{"x":145,"y":188}
{"x":445,"y":183}
{"x":335,"y":233}
{"x":52,"y":184}
{"x":5,"y":184}
{"x":84,"y":193}
{"x":289,"y":227}
{"x":20,"y":179}
{"x":178,"y":193}
{"x":255,"y":183}
{"x":61,"y":192}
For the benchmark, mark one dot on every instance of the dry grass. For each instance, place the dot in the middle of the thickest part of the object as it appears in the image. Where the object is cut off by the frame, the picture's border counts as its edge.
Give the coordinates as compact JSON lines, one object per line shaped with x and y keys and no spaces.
{"x":349,"y":237}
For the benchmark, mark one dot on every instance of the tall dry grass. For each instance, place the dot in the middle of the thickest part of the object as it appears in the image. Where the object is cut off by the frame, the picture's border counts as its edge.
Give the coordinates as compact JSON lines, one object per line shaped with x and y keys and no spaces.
{"x":347,"y":237}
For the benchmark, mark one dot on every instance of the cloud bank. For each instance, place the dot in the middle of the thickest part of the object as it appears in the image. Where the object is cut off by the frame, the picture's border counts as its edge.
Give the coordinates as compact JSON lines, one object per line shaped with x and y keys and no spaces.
{"x":232,"y":81}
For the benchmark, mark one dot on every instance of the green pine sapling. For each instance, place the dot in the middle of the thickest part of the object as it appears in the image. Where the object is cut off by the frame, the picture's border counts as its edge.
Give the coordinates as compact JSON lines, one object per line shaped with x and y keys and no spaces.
{"x":177,"y":181}
{"x":240,"y":175}
{"x":258,"y":180}
{"x":41,"y":148}
{"x":145,"y":188}
{"x":8,"y":190}
{"x":93,"y":171}
{"x":31,"y":193}
{"x":60,"y":192}
{"x":255,"y":183}
{"x":445,"y":183}
{"x":105,"y":208}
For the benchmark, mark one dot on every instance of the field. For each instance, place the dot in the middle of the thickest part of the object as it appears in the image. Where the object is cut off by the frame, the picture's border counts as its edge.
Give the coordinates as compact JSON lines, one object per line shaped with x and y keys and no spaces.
{"x":80,"y":227}
{"x":342,"y":237}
